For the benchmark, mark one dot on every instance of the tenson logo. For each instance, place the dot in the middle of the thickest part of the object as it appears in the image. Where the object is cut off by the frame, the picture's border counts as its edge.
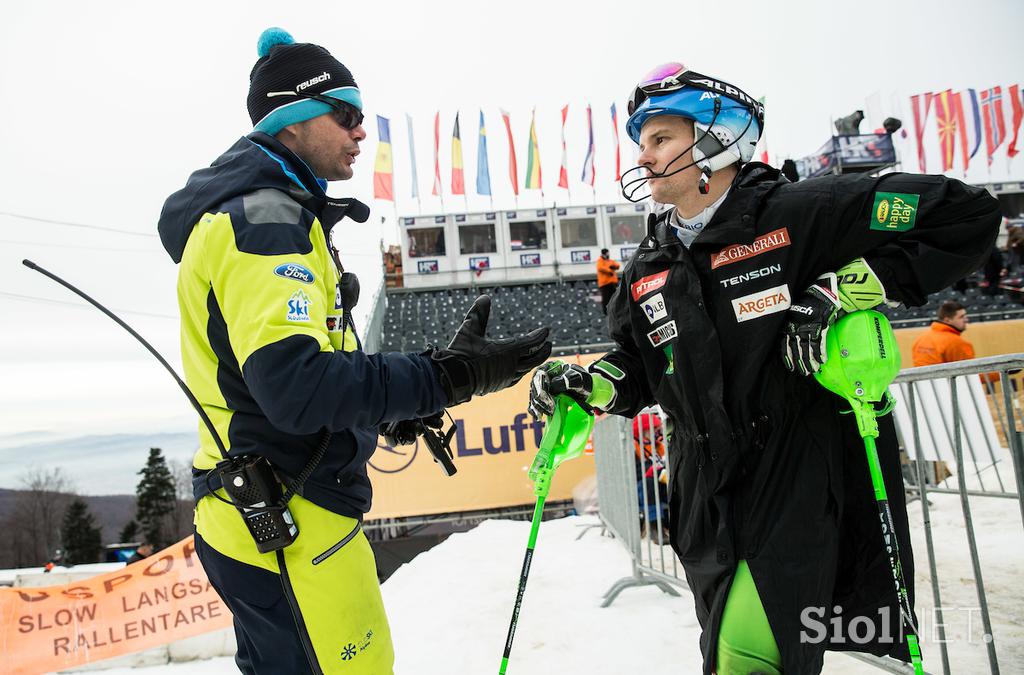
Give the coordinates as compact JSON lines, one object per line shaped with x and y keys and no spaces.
{"x":294,"y":271}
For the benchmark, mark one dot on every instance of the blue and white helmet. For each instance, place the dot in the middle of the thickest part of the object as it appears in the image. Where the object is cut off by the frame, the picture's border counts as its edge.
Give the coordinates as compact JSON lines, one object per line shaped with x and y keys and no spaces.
{"x":727,"y":122}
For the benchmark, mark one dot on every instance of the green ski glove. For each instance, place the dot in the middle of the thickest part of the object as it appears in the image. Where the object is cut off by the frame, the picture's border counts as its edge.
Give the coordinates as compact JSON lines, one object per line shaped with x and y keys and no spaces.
{"x":859,"y":286}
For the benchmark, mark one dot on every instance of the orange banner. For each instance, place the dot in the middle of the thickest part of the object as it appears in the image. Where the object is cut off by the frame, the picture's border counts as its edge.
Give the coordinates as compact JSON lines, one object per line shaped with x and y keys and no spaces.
{"x":494,"y":448}
{"x":164,"y":598}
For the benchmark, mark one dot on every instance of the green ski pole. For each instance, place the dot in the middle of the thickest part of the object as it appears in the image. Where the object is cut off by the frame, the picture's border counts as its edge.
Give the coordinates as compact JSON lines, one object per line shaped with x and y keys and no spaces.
{"x":564,"y":438}
{"x":862,"y":361}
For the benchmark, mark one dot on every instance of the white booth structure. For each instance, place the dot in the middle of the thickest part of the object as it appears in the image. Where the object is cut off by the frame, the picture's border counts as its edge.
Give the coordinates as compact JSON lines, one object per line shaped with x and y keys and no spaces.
{"x":523,"y":245}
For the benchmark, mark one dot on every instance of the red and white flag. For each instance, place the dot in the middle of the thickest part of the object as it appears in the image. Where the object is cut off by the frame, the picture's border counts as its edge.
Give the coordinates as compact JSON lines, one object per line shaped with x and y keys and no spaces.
{"x":1018,"y":114}
{"x":563,"y":173}
{"x":437,"y":145}
{"x":920,"y":119}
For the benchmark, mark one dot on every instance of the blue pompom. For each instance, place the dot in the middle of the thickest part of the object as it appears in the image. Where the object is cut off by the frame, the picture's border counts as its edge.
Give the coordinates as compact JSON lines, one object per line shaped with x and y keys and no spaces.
{"x":272,"y":37}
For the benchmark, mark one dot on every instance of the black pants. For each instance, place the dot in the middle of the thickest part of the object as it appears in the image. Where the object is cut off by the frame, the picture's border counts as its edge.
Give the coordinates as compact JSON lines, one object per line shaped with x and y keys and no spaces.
{"x":607,"y":291}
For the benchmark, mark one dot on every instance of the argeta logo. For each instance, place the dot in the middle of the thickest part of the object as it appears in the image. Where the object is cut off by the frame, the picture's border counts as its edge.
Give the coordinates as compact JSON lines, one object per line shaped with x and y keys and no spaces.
{"x":648,"y":284}
{"x":654,"y":308}
{"x":314,"y":80}
{"x":298,"y":306}
{"x":756,"y":305}
{"x":294,"y":271}
{"x":663,"y":334}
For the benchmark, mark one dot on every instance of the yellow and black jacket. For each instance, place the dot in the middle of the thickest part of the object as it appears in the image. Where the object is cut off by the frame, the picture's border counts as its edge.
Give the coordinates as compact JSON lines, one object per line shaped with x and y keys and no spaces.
{"x":263,"y":340}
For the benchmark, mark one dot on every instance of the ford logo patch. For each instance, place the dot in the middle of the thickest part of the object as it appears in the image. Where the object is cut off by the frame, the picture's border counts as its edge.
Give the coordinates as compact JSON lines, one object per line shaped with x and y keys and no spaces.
{"x":294,"y":271}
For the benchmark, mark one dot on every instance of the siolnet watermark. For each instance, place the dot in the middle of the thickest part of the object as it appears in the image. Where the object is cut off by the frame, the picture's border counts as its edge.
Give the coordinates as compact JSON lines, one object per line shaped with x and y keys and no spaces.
{"x":935,"y":625}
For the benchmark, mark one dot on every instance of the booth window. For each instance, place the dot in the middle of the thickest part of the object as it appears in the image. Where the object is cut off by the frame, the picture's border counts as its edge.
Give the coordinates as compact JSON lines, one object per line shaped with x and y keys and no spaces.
{"x":426,"y":241}
{"x":578,"y":232}
{"x":627,"y":229}
{"x":477,"y":239}
{"x":528,"y":234}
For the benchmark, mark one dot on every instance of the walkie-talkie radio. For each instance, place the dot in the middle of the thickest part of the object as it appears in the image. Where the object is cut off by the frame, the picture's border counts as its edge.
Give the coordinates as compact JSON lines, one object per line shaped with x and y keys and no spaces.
{"x":255,"y":491}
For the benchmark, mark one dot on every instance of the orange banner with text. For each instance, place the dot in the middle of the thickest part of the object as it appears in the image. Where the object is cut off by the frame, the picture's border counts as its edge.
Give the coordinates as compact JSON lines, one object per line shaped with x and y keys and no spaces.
{"x":160,"y":599}
{"x":493,"y":450}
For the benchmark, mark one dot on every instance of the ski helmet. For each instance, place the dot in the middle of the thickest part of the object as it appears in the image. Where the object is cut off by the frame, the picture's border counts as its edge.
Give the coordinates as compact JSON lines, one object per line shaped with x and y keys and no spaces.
{"x":727,"y":122}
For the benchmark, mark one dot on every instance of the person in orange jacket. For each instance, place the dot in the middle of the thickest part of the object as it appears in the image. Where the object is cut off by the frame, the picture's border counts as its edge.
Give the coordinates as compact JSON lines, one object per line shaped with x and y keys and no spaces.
{"x":607,"y":279}
{"x":944,"y":342}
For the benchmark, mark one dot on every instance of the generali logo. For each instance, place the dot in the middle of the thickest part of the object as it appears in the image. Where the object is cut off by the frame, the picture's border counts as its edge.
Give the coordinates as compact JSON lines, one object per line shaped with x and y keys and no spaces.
{"x":642,"y":287}
{"x":762,"y":303}
{"x":737,"y":252}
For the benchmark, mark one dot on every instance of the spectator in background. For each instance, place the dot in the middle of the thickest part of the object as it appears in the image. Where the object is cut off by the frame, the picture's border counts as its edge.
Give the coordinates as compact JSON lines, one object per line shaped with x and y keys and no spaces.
{"x":607,"y":279}
{"x":652,"y":475}
{"x":143,"y":551}
{"x":943,"y":342}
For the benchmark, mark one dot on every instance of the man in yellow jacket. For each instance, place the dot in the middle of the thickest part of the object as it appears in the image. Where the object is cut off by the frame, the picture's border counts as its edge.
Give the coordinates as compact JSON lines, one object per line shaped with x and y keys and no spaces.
{"x":271,"y":354}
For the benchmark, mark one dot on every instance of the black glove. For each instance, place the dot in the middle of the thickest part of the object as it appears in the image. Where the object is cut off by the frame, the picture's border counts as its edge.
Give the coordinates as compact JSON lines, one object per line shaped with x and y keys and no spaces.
{"x":405,"y":432}
{"x":807,"y":322}
{"x":474,"y":365}
{"x":556,"y":378}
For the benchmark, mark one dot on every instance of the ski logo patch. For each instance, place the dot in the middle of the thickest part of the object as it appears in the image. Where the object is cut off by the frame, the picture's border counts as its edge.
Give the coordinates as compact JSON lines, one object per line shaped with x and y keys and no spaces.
{"x":654,"y":308}
{"x":648,"y":284}
{"x":737,"y":252}
{"x":663,"y":334}
{"x":894,"y":211}
{"x":295,"y":271}
{"x":762,"y":303}
{"x":298,"y":306}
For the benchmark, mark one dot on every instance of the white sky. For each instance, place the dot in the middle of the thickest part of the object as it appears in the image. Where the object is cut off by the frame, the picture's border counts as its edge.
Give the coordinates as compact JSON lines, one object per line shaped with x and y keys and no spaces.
{"x":107,"y":107}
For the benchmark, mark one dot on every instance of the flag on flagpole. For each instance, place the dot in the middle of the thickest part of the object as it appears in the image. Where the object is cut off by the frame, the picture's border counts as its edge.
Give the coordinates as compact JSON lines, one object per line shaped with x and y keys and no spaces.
{"x":458,"y":180}
{"x":483,"y":172}
{"x":920,"y":119}
{"x":615,"y":128}
{"x":383,"y":168}
{"x":563,"y":172}
{"x":412,"y":158}
{"x":588,"y":162}
{"x":1018,"y":114}
{"x":961,"y":128}
{"x":437,"y":147}
{"x":992,"y":118}
{"x":976,"y":114}
{"x":533,"y":178}
{"x":946,"y":127}
{"x":513,"y":169}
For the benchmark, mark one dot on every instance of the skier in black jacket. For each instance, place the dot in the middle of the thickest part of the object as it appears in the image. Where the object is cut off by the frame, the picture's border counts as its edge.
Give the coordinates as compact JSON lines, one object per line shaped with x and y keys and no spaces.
{"x":772,"y":511}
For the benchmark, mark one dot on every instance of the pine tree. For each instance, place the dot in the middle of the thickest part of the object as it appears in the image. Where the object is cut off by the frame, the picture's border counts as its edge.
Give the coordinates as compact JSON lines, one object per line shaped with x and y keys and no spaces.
{"x":128,"y":532}
{"x":79,"y":534}
{"x":154,"y":500}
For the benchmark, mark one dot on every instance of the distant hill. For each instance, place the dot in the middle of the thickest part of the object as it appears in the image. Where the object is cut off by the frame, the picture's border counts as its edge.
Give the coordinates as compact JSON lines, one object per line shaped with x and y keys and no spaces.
{"x":112,"y":512}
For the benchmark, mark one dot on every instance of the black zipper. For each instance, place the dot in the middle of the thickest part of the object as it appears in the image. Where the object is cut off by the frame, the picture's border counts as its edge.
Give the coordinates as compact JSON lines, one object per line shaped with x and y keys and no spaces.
{"x":300,"y":624}
{"x":337,"y":547}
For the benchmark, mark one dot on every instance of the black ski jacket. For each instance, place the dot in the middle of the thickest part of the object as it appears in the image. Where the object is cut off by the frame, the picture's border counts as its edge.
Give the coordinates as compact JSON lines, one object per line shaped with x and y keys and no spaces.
{"x":763,"y":466}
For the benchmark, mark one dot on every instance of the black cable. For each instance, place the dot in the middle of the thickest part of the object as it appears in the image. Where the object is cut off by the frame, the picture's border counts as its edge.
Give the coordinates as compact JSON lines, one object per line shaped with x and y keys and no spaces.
{"x":192,"y":399}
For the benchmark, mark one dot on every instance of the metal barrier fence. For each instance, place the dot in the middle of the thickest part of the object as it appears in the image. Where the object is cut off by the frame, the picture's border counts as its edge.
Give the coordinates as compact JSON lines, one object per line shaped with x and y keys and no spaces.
{"x":941,"y":411}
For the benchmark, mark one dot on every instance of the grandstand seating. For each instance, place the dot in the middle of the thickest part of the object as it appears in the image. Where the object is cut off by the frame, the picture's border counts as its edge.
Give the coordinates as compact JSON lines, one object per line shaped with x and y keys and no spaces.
{"x":415,"y":319}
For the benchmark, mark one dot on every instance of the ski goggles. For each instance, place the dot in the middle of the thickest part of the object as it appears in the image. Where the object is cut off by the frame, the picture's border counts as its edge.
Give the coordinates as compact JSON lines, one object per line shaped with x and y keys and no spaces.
{"x":670,"y":77}
{"x":345,"y":114}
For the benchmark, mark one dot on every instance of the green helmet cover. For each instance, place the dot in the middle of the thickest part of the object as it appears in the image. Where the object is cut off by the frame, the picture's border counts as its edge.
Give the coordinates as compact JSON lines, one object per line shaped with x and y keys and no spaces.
{"x":862,"y":357}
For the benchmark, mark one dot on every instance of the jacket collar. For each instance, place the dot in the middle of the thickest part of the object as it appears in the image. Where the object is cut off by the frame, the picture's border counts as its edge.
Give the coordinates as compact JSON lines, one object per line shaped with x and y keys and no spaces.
{"x":944,"y":327}
{"x":735,"y":220}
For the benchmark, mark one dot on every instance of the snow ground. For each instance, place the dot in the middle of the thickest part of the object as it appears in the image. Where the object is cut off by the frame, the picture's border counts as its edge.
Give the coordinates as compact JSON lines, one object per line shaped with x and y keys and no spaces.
{"x":450,"y":607}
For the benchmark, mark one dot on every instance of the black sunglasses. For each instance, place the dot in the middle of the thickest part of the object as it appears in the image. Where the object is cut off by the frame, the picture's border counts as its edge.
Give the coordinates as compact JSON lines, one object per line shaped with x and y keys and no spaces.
{"x":345,"y":114}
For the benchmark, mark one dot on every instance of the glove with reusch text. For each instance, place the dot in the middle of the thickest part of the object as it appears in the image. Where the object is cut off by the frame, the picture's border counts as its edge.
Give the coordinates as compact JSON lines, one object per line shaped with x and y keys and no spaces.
{"x":807,"y":322}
